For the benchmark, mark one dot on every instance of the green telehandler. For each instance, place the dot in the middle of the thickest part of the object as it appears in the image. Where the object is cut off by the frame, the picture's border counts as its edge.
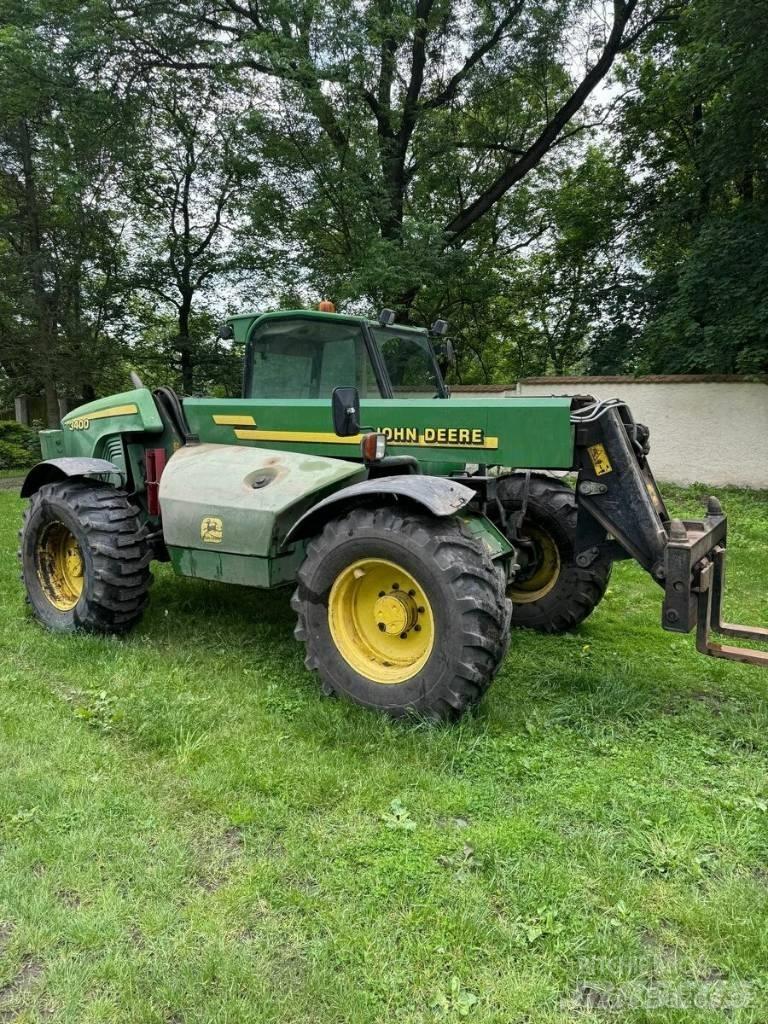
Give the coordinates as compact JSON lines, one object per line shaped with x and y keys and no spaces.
{"x":414,"y":527}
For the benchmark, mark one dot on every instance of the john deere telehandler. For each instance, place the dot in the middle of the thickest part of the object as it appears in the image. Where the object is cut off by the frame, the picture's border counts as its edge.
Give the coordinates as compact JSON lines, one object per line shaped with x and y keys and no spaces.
{"x":413,"y":527}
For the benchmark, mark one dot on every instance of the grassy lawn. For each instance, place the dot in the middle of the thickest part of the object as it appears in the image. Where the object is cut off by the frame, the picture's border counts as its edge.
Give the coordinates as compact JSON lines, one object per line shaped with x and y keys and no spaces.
{"x":190,"y":832}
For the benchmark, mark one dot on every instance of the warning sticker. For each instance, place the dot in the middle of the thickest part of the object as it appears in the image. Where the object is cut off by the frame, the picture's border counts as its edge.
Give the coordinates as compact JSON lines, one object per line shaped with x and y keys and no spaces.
{"x":600,"y":460}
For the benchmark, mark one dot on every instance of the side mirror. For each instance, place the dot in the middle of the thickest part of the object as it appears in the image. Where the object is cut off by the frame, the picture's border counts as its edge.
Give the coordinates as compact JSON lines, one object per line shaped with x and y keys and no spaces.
{"x":345,"y":403}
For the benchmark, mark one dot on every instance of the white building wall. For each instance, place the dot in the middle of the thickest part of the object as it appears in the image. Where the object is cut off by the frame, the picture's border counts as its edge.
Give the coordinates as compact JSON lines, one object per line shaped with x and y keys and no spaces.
{"x":704,"y":432}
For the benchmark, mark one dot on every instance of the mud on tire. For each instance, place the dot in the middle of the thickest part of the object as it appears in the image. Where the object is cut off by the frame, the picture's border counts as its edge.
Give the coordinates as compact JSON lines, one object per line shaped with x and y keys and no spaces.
{"x":464,"y":590}
{"x":114,"y":551}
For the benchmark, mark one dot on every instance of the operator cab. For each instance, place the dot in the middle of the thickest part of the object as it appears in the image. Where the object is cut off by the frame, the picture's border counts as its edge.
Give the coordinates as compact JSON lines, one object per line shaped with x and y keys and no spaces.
{"x":306,"y":354}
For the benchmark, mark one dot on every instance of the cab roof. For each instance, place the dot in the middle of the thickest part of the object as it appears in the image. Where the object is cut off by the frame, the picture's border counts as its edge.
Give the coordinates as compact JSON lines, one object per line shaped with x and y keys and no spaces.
{"x":242,"y":322}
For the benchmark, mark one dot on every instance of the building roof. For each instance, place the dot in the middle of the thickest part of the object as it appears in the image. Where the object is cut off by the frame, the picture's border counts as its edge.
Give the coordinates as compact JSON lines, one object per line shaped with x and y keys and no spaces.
{"x":483,"y":388}
{"x":652,"y":378}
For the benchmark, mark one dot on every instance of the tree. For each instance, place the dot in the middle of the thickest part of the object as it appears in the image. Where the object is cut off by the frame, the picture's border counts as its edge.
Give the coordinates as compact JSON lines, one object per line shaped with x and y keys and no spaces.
{"x":552,"y":305}
{"x":185,"y":184}
{"x":407,"y":124}
{"x":60,"y":234}
{"x":162,"y":164}
{"x":697,"y":135}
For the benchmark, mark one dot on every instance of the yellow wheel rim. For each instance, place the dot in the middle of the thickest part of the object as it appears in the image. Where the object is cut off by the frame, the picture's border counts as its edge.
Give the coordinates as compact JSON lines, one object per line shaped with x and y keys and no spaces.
{"x":60,"y":567}
{"x":381,"y":621}
{"x":543,"y":573}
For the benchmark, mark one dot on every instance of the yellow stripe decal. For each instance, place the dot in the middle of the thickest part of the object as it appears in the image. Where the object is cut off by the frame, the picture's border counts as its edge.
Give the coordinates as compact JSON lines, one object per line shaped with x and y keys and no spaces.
{"x":312,"y":437}
{"x":235,"y":421}
{"x":305,"y":436}
{"x":102,"y":414}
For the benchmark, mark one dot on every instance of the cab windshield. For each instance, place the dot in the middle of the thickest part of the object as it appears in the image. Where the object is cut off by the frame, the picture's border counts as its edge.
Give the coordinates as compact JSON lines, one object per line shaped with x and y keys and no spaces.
{"x":410,"y":362}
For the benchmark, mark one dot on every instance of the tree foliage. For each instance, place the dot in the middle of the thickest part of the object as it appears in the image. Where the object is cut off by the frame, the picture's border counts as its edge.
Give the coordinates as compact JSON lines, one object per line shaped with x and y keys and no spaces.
{"x":695,"y":134}
{"x":186,"y":181}
{"x":576,"y":185}
{"x":405,"y":125}
{"x":61,"y":151}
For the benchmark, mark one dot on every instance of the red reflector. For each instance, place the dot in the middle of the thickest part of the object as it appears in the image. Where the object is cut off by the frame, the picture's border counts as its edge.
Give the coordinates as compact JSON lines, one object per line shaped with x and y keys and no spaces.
{"x":154,"y":464}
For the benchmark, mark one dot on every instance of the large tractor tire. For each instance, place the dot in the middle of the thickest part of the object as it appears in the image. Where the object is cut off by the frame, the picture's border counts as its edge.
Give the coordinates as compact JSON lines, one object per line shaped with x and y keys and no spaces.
{"x":550,"y":593}
{"x":402,"y":612}
{"x":84,"y":558}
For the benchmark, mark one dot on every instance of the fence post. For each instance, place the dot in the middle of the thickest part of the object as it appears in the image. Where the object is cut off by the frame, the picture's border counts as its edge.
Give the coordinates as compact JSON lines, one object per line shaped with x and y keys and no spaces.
{"x":21,"y":409}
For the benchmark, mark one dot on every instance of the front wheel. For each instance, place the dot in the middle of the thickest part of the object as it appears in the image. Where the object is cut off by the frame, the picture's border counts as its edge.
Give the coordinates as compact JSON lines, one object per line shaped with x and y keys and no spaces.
{"x":550,"y":593}
{"x":402,"y":612}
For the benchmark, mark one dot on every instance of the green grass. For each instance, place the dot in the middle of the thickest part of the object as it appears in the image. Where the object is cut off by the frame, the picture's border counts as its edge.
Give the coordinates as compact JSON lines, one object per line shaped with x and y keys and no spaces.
{"x":190,"y":832}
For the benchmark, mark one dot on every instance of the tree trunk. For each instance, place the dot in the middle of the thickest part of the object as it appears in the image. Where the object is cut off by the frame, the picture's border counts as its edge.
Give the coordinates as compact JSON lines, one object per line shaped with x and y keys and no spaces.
{"x":44,"y":304}
{"x":704,"y":189}
{"x":747,"y":186}
{"x":184,"y":345}
{"x":52,"y":415}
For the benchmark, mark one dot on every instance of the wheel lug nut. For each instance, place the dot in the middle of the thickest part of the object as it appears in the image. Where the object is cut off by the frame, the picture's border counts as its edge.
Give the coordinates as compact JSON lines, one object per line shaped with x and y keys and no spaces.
{"x":403,"y":636}
{"x":417,"y":628}
{"x":381,"y":593}
{"x":382,"y":627}
{"x":411,"y":593}
{"x":420,"y":609}
{"x":395,"y":586}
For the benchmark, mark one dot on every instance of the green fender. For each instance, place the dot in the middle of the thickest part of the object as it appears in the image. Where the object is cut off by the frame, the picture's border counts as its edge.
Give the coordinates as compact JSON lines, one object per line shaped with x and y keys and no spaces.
{"x":433,"y":494}
{"x":228,"y":498}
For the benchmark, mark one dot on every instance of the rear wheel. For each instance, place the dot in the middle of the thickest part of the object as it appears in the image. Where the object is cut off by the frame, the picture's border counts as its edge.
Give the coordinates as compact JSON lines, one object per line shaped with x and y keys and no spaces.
{"x":550,"y":593}
{"x":84,"y":558}
{"x":404,"y":613}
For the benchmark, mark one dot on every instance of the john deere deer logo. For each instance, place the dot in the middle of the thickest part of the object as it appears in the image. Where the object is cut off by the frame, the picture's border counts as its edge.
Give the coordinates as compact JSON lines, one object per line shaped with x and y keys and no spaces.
{"x":211,"y":530}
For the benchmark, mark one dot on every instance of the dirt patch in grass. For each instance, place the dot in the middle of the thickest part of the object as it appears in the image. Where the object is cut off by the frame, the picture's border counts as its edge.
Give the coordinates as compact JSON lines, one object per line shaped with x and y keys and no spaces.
{"x":27,"y":974}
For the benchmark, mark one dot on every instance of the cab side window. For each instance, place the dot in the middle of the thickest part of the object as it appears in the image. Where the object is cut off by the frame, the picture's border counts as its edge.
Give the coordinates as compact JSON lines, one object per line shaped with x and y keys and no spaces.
{"x":308,"y":358}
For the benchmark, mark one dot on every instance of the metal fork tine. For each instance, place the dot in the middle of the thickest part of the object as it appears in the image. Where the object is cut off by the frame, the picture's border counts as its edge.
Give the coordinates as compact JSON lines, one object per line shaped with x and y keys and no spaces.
{"x":711,"y":584}
{"x":716,"y":615}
